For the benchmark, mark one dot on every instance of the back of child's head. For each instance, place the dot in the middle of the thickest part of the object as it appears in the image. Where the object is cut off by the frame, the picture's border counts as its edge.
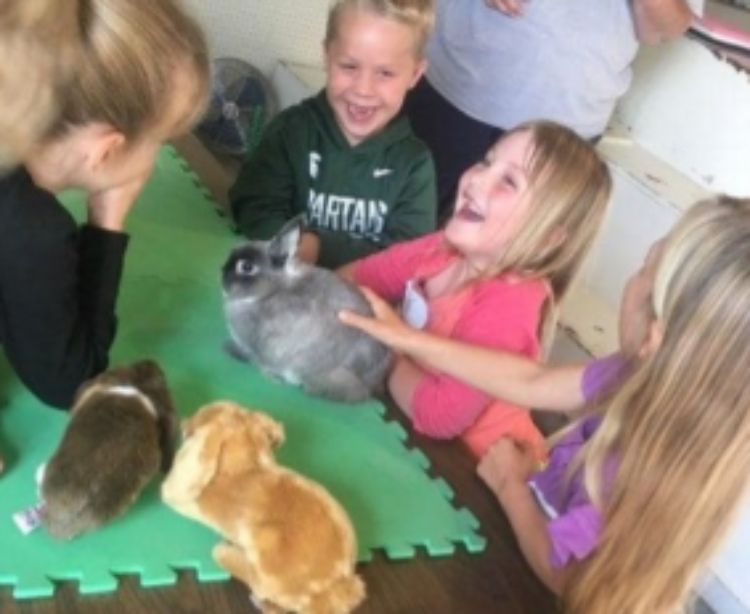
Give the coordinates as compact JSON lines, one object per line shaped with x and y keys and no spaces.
{"x":140,"y":55}
{"x":680,"y":426}
{"x":418,"y":15}
{"x":38,"y":44}
{"x":570,"y":187}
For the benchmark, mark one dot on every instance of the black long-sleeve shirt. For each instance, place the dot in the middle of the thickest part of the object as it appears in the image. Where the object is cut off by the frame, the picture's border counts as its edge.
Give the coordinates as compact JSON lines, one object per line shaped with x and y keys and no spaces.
{"x":58,"y":289}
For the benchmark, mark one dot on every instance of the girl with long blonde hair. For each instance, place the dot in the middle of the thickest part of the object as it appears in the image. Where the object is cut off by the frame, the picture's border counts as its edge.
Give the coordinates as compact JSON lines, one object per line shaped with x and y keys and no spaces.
{"x":678,"y":430}
{"x":524,"y":218}
{"x":639,"y":492}
{"x":143,"y":81}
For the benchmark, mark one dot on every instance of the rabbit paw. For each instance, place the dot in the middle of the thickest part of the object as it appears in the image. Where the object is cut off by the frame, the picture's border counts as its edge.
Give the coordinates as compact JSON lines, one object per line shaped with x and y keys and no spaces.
{"x":339,"y":385}
{"x":235,"y":351}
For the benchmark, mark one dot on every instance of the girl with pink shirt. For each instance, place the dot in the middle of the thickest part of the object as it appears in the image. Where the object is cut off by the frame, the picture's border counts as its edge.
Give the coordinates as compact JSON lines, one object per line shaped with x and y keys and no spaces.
{"x":524,"y":218}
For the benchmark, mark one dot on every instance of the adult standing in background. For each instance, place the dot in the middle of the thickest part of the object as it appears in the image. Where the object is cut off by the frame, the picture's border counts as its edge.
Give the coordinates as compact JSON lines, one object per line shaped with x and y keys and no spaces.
{"x":496,"y":63}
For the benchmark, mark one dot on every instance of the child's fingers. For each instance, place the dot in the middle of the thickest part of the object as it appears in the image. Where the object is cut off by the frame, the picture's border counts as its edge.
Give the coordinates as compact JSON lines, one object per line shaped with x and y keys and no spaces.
{"x":350,"y":318}
{"x":382,"y":309}
{"x":492,"y":471}
{"x":378,"y":305}
{"x":364,"y":323}
{"x":511,"y":452}
{"x":370,"y":326}
{"x":385,"y":325}
{"x":504,"y":445}
{"x":371,"y":296}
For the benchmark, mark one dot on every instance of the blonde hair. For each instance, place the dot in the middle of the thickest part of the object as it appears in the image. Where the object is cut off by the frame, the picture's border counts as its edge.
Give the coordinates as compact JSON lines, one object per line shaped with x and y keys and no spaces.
{"x":570,"y":191}
{"x":679,"y":427}
{"x":419,"y":15}
{"x":132,"y":51}
{"x":39,"y":45}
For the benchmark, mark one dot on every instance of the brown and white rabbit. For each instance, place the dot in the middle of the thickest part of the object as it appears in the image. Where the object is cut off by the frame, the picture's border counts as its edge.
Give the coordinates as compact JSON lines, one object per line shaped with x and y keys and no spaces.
{"x":282,"y":315}
{"x":285,"y":536}
{"x":122,"y":430}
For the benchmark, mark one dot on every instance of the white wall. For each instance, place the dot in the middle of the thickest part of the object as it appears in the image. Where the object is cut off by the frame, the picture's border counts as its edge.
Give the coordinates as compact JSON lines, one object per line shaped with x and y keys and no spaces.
{"x":263,"y":31}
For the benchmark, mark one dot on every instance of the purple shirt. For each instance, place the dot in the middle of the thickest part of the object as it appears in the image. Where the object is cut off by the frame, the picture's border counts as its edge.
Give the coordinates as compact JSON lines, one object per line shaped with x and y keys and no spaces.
{"x":574,"y":522}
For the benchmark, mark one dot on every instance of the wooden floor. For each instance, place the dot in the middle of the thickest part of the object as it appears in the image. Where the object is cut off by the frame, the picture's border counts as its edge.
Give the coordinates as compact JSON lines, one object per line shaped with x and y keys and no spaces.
{"x":497,"y":580}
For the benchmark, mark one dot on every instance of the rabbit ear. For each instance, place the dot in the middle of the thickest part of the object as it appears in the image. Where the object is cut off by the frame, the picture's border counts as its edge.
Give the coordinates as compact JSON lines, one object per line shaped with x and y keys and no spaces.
{"x":195,"y":465}
{"x":283,"y":246}
{"x":271,"y":429}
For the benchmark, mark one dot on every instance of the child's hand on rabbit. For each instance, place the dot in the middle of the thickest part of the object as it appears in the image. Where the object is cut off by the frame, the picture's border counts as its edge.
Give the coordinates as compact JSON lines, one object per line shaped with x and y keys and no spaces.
{"x":385,"y":325}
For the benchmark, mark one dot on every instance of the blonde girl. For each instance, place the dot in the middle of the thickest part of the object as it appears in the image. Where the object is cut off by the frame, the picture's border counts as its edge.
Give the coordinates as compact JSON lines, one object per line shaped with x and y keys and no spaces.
{"x":664,"y":462}
{"x":524,"y":218}
{"x":143,"y":81}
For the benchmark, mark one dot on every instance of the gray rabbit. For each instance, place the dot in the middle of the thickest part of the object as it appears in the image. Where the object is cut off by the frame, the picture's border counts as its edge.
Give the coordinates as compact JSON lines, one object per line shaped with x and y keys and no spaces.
{"x":122,"y":430}
{"x":282,"y":316}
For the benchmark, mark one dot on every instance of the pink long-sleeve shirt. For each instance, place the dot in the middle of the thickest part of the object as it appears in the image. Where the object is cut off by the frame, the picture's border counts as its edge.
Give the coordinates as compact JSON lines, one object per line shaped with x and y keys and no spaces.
{"x":502,"y":312}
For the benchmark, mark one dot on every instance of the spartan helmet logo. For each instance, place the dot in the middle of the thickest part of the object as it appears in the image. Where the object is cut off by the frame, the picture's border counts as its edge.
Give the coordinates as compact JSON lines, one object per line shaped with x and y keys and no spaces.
{"x":314,"y":164}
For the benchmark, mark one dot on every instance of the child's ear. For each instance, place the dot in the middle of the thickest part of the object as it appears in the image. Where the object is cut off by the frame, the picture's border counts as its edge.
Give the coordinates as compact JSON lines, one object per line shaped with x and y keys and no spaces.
{"x":418,"y":72}
{"x":103,"y":142}
{"x":654,"y":337}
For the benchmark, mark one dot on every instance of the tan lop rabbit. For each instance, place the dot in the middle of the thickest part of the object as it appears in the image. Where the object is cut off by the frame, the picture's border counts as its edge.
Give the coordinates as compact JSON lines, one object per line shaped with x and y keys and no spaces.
{"x":285,"y":536}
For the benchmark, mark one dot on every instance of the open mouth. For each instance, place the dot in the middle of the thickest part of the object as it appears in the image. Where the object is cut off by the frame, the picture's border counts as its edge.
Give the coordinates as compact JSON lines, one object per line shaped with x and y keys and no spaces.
{"x":358,"y":113}
{"x":469,"y":212}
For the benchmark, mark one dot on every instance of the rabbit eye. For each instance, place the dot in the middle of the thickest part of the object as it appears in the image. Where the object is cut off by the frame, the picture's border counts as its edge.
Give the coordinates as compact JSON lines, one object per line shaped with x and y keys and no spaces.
{"x":245,"y":267}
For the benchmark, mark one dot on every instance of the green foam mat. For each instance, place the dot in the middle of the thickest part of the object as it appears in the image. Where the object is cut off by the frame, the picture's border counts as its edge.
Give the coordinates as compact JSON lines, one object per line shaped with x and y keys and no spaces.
{"x":170,"y":309}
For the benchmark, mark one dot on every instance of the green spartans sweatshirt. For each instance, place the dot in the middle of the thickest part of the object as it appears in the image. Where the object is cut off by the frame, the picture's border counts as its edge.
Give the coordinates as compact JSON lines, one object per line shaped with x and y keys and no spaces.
{"x":358,"y":200}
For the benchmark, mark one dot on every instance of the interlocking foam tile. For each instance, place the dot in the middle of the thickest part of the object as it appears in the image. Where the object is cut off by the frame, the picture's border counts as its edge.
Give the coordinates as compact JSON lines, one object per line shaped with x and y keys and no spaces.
{"x":170,"y":309}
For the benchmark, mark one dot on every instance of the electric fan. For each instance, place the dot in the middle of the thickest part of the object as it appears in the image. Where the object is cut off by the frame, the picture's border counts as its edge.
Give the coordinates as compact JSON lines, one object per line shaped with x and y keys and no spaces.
{"x":242,"y":101}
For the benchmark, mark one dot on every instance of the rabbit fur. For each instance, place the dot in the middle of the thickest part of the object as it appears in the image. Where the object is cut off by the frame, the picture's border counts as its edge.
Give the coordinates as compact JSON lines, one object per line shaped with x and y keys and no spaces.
{"x":122,"y":430}
{"x":282,"y":314}
{"x":285,"y":536}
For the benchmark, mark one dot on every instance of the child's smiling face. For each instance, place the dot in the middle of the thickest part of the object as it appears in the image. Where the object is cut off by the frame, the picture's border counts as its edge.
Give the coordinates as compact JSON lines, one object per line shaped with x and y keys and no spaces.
{"x":371,"y":64}
{"x":492,"y":200}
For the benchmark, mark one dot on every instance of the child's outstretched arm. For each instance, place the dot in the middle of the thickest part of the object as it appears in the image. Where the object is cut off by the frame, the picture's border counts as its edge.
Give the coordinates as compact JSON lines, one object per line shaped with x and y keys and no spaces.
{"x":503,"y":375}
{"x":505,"y":469}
